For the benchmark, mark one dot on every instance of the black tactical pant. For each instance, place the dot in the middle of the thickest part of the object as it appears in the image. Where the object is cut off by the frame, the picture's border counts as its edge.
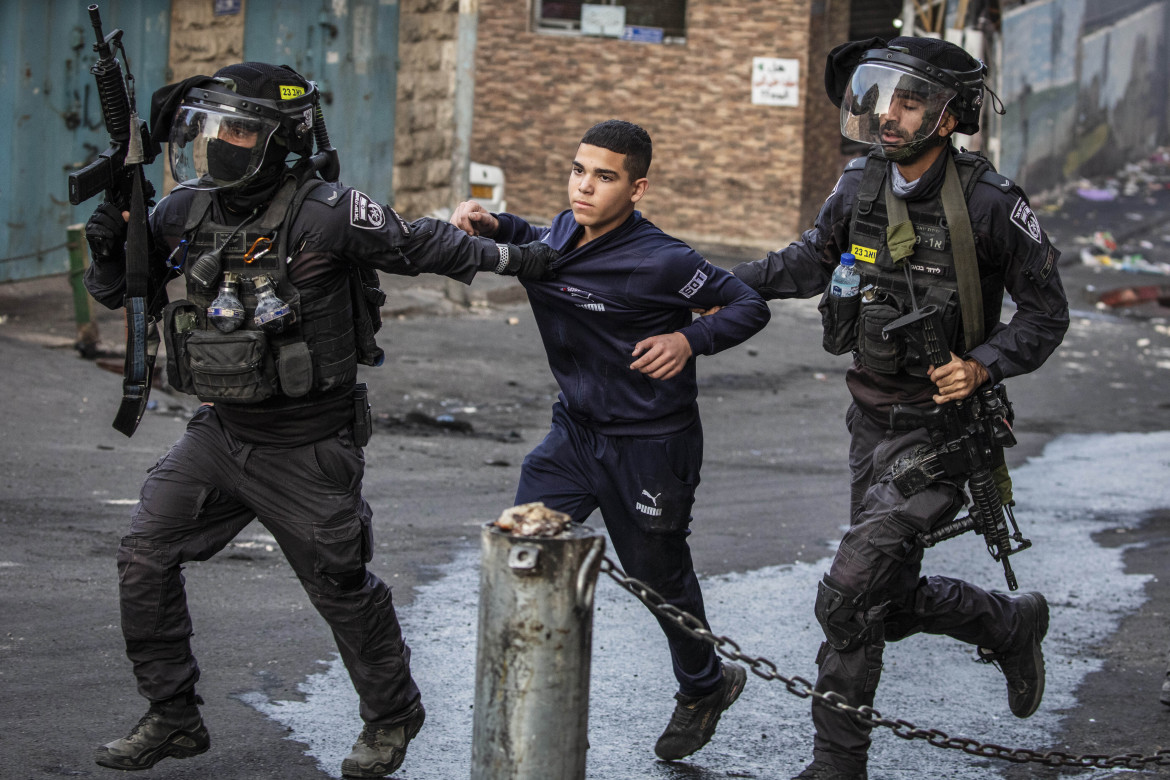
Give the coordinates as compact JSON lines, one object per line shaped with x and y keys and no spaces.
{"x":200,"y":495}
{"x":878,"y":562}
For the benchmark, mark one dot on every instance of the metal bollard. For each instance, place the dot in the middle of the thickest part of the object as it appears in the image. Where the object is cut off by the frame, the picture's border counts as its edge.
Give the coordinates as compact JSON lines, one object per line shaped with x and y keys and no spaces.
{"x":87,"y":328}
{"x":534,"y":654}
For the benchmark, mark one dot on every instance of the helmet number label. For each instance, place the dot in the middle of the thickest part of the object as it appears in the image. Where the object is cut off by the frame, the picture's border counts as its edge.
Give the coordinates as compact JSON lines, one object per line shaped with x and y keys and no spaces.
{"x":290,"y":91}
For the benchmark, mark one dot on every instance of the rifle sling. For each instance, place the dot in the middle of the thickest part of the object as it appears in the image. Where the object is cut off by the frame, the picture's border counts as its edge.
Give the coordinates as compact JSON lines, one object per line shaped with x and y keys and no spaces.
{"x":963,"y":252}
{"x":141,"y":332}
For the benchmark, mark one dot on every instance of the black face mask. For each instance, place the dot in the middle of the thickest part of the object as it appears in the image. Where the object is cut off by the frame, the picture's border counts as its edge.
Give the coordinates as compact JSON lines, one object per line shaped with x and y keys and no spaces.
{"x":227,"y":162}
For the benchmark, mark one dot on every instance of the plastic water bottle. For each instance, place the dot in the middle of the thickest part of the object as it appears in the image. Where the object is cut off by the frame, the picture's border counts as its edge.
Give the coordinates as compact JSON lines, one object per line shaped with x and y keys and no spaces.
{"x":846,"y":281}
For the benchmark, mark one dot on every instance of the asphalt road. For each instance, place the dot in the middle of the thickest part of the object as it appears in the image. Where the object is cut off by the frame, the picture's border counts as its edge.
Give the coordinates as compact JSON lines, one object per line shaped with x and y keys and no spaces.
{"x":771,"y":504}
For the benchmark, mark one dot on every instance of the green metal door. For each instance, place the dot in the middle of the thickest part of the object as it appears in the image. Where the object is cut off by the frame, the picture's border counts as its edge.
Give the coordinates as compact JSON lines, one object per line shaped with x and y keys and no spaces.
{"x":50,"y":118}
{"x":350,"y":50}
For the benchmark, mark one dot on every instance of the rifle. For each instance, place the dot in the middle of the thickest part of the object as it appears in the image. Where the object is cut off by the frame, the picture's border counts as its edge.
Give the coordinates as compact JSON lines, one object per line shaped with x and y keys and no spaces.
{"x":967,"y":441}
{"x":118,"y":171}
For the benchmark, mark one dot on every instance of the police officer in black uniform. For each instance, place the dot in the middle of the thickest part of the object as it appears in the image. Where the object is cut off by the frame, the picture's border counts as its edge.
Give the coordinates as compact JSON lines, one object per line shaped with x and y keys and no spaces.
{"x":280,"y":308}
{"x":907,"y":98}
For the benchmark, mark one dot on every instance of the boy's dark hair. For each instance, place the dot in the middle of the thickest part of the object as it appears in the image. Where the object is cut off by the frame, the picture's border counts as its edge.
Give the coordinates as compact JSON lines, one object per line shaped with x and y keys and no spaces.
{"x":625,"y":138}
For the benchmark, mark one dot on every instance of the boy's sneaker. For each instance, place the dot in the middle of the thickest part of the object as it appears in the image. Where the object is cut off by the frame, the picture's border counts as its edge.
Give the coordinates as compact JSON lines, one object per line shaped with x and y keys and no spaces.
{"x":1023,"y":666}
{"x":169,"y":729}
{"x":695,"y":717}
{"x":380,"y":750}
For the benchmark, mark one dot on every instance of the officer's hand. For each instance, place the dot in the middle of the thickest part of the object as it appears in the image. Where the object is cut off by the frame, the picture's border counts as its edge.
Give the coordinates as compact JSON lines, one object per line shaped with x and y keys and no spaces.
{"x":530,"y":261}
{"x":106,"y":231}
{"x":662,"y":356}
{"x":470,"y":217}
{"x":958,"y":379}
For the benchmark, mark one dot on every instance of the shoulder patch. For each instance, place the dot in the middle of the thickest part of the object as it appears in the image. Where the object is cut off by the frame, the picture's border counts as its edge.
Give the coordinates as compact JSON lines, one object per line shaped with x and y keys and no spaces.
{"x":365,"y":212}
{"x":856,"y":164}
{"x":1025,"y":219}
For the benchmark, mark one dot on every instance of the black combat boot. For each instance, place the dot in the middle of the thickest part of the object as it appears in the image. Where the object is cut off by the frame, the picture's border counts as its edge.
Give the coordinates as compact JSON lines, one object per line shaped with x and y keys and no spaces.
{"x":694,"y":719}
{"x":819,"y":770}
{"x":169,"y":729}
{"x":380,"y":750}
{"x":1023,"y":664}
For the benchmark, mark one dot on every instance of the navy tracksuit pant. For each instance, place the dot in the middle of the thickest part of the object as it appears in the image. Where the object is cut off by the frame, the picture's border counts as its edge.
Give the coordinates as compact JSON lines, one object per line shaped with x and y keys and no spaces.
{"x":645,"y":488}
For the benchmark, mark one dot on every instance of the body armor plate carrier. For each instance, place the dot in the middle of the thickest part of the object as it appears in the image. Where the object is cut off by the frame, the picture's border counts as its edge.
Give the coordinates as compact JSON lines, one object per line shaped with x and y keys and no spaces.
{"x":332,"y":328}
{"x":884,"y":289}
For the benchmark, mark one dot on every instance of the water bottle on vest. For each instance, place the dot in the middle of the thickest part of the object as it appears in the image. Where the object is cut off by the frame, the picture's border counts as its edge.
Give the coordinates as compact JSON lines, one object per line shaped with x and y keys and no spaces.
{"x":839,"y":306}
{"x":846,"y":281}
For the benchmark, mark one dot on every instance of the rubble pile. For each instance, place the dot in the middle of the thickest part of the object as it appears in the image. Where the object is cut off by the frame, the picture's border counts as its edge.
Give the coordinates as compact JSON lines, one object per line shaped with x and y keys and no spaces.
{"x":1139,"y":241}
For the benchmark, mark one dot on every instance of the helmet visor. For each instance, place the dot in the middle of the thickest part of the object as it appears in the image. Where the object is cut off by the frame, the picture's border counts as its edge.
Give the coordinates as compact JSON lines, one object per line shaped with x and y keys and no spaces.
{"x":217,"y":148}
{"x":891,"y":106}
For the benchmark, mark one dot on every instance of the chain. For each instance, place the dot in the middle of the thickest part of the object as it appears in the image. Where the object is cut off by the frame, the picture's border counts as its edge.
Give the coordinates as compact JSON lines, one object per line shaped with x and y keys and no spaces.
{"x":798,"y":686}
{"x":37,"y":253}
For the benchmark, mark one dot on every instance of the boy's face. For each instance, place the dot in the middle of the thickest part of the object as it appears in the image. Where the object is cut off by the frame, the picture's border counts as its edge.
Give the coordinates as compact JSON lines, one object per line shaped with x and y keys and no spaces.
{"x":601,"y":193}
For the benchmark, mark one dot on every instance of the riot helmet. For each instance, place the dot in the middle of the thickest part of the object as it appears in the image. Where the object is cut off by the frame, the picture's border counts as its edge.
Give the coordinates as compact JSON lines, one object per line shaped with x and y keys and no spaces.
{"x":893,"y":96}
{"x":236,"y":129}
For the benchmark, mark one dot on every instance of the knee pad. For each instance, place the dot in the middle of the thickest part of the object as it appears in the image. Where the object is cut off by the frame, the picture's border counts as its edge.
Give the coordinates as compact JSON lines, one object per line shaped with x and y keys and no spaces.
{"x":848,"y":621}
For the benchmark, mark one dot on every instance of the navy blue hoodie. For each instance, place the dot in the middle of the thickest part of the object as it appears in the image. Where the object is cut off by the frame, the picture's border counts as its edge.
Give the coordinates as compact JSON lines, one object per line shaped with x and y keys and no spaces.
{"x":632,"y":283}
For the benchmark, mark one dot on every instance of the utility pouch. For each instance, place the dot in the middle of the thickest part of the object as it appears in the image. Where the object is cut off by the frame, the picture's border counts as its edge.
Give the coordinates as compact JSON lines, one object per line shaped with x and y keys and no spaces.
{"x":231,"y":367}
{"x":294,"y":364}
{"x":180,"y":318}
{"x":839,"y":319}
{"x":362,"y":421}
{"x":368,"y":300}
{"x":877,"y":352}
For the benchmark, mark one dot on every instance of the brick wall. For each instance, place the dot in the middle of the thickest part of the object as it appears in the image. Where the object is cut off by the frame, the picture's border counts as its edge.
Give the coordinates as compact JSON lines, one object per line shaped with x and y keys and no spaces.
{"x":424,"y":125}
{"x":202,"y":42}
{"x":724,"y":171}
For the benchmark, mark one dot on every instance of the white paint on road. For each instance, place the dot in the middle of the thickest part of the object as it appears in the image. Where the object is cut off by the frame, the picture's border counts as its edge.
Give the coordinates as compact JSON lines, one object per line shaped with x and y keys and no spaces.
{"x":1080,"y":486}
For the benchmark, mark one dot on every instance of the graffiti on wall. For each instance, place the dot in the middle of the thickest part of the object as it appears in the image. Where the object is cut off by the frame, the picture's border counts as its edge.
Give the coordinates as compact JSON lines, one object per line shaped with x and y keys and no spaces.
{"x":1080,"y":102}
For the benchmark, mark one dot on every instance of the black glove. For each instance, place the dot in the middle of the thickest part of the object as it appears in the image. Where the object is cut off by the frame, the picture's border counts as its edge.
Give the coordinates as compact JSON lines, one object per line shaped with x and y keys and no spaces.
{"x":530,"y":261}
{"x":106,"y":233}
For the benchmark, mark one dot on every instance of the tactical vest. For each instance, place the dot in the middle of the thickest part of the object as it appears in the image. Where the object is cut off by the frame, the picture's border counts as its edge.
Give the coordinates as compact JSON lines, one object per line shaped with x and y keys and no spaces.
{"x":885,"y":292}
{"x":331,"y":329}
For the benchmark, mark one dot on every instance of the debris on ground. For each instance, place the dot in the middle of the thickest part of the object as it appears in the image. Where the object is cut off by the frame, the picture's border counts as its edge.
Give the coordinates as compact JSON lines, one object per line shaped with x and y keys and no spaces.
{"x":1137,"y":240}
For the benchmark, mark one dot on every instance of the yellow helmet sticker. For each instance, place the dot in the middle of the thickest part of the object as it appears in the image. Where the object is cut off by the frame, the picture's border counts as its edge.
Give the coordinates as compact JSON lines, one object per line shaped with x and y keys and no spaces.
{"x":288,"y":92}
{"x":864,"y":253}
